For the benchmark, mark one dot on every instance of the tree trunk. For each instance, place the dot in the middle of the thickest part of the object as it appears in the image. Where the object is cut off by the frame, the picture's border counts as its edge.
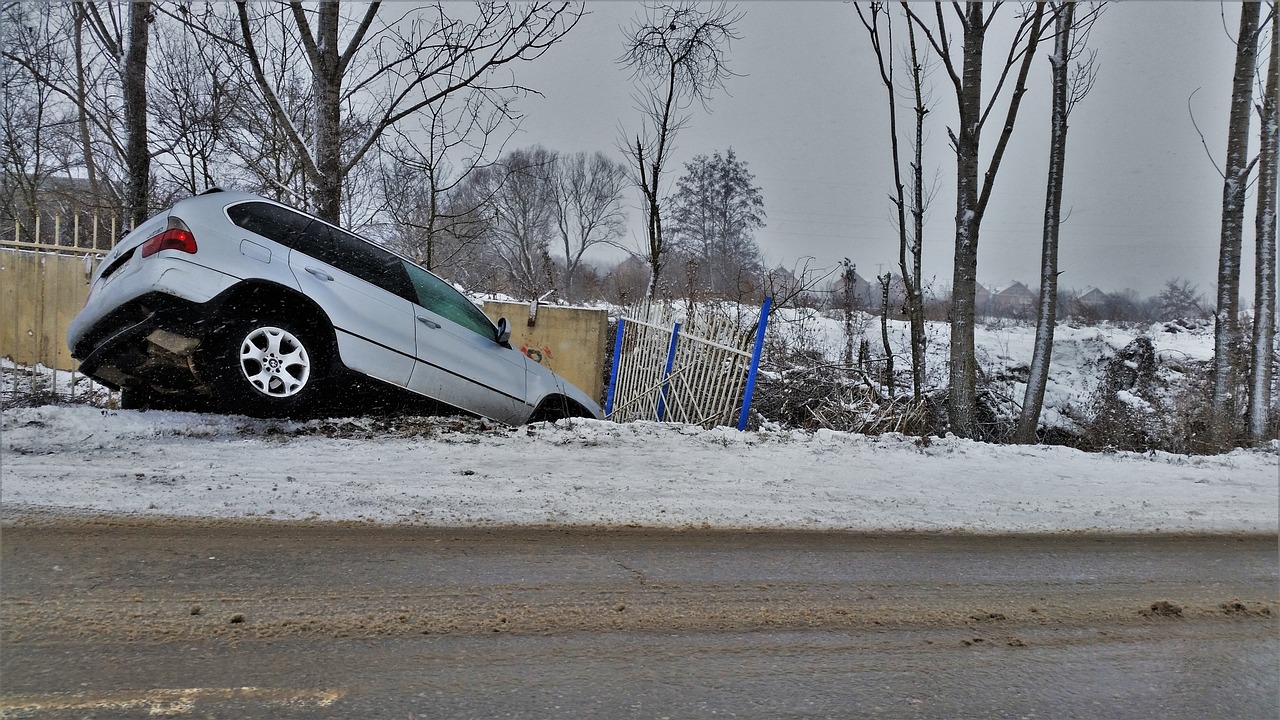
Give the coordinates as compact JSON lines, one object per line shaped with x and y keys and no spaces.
{"x":1226,"y":348}
{"x":1047,"y":313}
{"x":137,"y":158}
{"x":962,"y":399}
{"x":915,"y":292}
{"x":884,"y":333}
{"x":1264,"y":327}
{"x":327,"y":87}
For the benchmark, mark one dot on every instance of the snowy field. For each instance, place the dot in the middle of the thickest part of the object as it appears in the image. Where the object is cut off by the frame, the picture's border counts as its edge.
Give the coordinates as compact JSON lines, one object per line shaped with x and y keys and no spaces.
{"x":77,"y":461}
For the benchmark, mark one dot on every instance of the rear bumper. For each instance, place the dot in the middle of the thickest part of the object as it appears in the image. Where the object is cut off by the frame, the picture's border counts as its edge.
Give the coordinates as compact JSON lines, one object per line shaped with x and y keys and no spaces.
{"x":143,"y":342}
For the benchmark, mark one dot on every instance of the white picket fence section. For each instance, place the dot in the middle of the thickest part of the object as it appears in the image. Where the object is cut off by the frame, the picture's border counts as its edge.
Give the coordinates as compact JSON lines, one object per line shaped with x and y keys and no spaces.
{"x":699,"y":372}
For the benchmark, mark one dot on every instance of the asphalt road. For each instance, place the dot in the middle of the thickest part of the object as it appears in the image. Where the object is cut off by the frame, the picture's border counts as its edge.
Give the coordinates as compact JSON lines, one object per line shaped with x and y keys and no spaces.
{"x":292,"y":621}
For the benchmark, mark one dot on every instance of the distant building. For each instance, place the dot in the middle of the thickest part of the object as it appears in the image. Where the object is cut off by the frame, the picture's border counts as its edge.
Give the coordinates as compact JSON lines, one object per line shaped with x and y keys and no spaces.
{"x":1092,"y":298}
{"x":1015,"y":298}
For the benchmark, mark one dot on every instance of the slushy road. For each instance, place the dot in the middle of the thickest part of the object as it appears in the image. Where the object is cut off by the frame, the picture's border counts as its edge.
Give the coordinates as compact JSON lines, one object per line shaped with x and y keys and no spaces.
{"x":104,"y":620}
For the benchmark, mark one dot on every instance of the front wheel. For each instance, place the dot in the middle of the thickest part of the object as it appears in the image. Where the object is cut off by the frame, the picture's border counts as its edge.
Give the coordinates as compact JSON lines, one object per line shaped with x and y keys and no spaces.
{"x":267,"y":367}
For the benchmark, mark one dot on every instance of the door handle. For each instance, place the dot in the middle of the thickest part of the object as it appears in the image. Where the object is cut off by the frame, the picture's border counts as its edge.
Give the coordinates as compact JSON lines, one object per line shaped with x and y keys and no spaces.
{"x":429,"y":323}
{"x":320,"y":274}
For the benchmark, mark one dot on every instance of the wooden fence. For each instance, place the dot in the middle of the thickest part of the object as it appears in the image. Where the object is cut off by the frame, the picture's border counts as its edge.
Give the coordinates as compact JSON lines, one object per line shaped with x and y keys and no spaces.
{"x":701,"y":371}
{"x":44,"y":279}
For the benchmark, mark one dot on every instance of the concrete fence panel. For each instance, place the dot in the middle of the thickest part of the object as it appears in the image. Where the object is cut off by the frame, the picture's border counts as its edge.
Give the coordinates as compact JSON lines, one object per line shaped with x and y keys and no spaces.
{"x":570,"y":341}
{"x":40,"y":293}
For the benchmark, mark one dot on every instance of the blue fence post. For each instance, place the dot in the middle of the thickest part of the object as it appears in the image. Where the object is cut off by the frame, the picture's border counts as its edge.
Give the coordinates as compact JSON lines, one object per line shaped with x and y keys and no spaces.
{"x":671,"y":359}
{"x":613,"y":372}
{"x":755,"y":364}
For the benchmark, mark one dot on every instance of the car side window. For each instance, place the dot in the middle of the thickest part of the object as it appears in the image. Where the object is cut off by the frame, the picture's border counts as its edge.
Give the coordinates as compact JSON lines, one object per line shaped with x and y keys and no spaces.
{"x":440,"y":298}
{"x":324,"y":243}
{"x":271,"y":221}
{"x":358,"y":257}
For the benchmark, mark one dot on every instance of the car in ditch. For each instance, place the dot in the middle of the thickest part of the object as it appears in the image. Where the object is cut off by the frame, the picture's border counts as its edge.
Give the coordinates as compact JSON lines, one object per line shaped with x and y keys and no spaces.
{"x":233,"y":301}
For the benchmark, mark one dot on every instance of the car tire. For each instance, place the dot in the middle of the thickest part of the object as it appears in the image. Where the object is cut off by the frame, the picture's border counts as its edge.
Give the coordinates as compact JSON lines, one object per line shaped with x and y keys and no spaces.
{"x":267,"y":367}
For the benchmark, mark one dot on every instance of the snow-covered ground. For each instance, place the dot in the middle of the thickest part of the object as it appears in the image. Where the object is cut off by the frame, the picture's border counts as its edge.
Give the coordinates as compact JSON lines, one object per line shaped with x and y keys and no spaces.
{"x":77,"y":460}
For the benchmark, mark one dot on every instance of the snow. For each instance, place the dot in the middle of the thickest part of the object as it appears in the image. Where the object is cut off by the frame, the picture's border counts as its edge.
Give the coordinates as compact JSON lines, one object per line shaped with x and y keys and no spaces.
{"x":76,"y":460}
{"x":79,"y":460}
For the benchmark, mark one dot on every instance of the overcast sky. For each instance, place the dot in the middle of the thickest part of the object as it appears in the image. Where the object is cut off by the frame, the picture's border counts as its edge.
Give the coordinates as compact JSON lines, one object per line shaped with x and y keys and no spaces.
{"x":808,"y":115}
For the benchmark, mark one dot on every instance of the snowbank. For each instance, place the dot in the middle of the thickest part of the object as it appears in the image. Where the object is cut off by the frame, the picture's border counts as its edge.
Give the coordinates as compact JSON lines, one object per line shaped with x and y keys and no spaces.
{"x":455,"y":472}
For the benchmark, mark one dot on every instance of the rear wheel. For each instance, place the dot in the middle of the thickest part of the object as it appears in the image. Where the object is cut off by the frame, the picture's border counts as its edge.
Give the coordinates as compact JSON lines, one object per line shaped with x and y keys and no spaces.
{"x":267,"y":367}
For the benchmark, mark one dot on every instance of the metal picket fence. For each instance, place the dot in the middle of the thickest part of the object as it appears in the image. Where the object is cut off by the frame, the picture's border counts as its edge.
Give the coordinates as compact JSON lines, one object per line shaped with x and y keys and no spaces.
{"x":701,"y":371}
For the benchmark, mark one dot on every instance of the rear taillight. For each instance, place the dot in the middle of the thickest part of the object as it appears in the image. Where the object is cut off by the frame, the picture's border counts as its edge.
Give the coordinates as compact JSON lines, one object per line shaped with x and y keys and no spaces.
{"x":176,"y":237}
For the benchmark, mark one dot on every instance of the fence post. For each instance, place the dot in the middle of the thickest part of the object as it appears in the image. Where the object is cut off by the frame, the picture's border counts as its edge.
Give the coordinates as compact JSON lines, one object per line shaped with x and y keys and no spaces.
{"x":755,"y":364}
{"x":671,"y":359}
{"x":613,"y":372}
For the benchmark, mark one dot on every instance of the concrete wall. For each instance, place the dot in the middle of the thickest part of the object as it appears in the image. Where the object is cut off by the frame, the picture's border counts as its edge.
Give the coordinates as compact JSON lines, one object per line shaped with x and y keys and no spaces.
{"x":40,"y":293}
{"x":569,"y":341}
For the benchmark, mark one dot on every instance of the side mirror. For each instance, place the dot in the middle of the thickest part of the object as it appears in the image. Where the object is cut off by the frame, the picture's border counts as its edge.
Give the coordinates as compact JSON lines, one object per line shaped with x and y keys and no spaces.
{"x":504,"y":332}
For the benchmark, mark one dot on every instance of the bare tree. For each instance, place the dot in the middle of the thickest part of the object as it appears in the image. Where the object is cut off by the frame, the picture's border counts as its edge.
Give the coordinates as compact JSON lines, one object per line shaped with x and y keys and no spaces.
{"x":76,"y":53}
{"x":973,"y":188}
{"x":676,"y":53}
{"x":1070,"y":86}
{"x":910,"y":237}
{"x":1264,"y":305}
{"x":32,"y":121}
{"x":424,"y":171}
{"x":368,"y":74}
{"x":587,"y":192}
{"x":1227,"y":340}
{"x":519,"y":217}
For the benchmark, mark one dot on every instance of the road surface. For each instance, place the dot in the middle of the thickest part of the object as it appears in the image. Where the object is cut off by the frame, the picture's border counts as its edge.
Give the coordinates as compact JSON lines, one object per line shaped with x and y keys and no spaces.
{"x":106,"y":620}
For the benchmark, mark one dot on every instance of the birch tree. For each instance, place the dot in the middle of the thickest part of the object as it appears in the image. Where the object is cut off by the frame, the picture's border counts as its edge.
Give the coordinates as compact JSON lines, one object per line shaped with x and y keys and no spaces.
{"x":677,"y":54}
{"x":1264,"y":305}
{"x":1227,"y":336}
{"x":973,"y":186}
{"x":1069,"y":88}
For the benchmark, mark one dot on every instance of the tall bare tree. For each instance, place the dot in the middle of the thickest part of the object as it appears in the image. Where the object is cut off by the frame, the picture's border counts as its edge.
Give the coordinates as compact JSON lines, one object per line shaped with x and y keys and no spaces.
{"x":587,"y":191}
{"x":1070,"y":85}
{"x":974,"y":187}
{"x":368,"y":73}
{"x":910,"y":236}
{"x":677,"y":54}
{"x":1264,"y":305}
{"x":1226,"y":346}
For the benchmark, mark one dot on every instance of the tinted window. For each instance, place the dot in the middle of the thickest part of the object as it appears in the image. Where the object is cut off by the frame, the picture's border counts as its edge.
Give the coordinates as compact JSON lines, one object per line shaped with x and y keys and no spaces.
{"x":440,"y":298}
{"x":324,"y":243}
{"x":362,"y":259}
{"x":270,"y":221}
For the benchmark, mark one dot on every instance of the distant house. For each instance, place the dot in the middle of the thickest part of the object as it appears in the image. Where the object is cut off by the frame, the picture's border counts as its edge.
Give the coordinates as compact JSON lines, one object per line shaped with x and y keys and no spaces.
{"x":1092,"y":298}
{"x":981,"y":297}
{"x":1015,"y":298}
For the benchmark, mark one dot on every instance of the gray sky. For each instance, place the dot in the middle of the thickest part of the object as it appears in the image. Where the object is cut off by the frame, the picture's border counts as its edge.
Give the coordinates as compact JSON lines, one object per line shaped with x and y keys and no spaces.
{"x":808,"y":115}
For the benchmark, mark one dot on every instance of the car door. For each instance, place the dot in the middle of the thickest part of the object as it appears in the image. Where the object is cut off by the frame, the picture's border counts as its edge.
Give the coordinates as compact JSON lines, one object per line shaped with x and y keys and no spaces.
{"x":459,"y":359}
{"x":363,"y":289}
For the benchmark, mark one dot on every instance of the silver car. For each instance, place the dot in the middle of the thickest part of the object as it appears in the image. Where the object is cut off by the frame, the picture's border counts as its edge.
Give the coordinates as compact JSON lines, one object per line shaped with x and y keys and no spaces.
{"x":238,"y":302}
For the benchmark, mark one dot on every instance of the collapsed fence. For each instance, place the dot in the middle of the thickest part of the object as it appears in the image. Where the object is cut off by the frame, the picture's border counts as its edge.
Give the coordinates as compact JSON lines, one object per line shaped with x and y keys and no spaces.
{"x":701,"y":371}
